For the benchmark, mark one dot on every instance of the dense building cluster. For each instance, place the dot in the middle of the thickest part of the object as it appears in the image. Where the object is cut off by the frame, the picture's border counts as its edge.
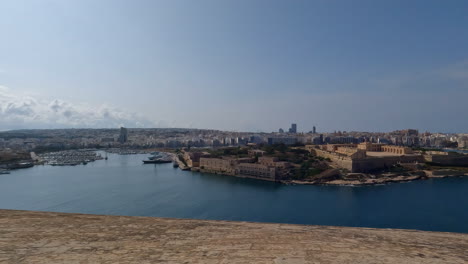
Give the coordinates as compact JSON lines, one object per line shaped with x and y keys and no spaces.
{"x":59,"y":139}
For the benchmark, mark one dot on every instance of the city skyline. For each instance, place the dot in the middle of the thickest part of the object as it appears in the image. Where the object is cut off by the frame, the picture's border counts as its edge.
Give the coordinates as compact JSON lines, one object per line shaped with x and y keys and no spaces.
{"x":281,"y":130}
{"x":238,"y":66}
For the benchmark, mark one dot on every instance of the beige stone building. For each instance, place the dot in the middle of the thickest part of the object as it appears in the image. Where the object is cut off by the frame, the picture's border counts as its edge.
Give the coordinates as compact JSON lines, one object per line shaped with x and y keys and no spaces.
{"x":368,"y":146}
{"x":372,"y":147}
{"x":282,"y":164}
{"x":274,"y":162}
{"x":353,"y":153}
{"x":193,"y":158}
{"x":269,"y":161}
{"x":334,"y":147}
{"x":258,"y":171}
{"x":224,"y":165}
{"x":256,"y":152}
{"x":397,"y":150}
{"x":217,"y":165}
{"x":268,"y":168}
{"x":366,"y":157}
{"x":463,"y":142}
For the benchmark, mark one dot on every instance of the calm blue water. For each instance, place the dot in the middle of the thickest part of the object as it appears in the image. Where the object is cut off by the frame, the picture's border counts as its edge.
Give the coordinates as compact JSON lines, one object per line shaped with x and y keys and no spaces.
{"x":122,"y":185}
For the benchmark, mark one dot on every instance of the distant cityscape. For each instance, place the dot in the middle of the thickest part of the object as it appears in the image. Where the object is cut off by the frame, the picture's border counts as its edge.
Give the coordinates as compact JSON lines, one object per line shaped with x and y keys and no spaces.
{"x":30,"y":140}
{"x":314,"y":157}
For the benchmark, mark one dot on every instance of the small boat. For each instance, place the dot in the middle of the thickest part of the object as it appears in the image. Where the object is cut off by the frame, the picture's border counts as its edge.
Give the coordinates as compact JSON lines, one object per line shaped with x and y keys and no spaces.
{"x":4,"y":172}
{"x":175,"y":164}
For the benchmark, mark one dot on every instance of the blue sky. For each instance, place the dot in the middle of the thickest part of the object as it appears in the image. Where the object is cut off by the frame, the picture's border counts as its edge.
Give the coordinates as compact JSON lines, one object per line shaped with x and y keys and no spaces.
{"x":242,"y":65}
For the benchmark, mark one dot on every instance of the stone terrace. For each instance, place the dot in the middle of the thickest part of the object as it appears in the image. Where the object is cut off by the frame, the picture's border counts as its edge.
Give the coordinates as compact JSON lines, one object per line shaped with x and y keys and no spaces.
{"x":44,"y":237}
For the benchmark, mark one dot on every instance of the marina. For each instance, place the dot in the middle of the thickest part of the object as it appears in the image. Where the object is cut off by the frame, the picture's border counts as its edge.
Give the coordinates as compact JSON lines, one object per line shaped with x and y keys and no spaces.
{"x":159,"y":157}
{"x":70,"y":157}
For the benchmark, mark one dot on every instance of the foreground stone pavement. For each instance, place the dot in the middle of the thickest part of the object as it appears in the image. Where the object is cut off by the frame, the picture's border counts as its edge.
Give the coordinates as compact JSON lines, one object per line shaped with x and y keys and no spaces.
{"x":44,"y":237}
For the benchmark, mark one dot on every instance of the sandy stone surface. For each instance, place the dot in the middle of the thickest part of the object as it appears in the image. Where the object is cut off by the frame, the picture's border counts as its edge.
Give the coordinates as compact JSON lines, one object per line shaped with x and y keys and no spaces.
{"x":43,"y":237}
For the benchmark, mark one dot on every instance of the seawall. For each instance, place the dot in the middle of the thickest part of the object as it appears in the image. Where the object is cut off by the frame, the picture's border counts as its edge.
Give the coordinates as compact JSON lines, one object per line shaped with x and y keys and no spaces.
{"x":47,"y":237}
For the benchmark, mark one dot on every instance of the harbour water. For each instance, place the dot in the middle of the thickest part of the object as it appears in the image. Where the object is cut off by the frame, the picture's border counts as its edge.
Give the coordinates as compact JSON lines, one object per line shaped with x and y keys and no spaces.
{"x":123,"y":185}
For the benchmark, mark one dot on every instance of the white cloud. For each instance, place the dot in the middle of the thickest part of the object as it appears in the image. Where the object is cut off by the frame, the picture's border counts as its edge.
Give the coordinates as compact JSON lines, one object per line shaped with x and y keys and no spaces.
{"x":21,"y":111}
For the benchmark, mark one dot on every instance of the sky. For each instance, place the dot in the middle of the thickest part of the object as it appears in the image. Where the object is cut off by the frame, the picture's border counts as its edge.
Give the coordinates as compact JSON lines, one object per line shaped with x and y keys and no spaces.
{"x":239,"y":65}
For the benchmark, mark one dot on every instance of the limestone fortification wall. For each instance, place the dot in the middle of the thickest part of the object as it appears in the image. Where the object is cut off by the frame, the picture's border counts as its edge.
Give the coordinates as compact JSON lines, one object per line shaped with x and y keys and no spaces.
{"x":376,"y":163}
{"x":367,"y":164}
{"x":448,"y":160}
{"x":340,"y":160}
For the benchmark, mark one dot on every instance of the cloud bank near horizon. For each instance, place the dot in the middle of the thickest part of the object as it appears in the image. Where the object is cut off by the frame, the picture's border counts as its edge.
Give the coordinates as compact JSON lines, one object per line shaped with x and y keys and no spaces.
{"x":20,"y":111}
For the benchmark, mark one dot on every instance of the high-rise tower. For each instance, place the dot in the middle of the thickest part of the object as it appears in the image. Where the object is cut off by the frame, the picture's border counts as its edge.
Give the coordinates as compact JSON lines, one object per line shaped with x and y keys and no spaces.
{"x":123,"y":137}
{"x":293,"y":128}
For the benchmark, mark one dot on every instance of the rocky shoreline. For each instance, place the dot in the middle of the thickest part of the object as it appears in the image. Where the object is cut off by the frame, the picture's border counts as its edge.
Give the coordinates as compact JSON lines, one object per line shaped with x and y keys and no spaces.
{"x":376,"y":181}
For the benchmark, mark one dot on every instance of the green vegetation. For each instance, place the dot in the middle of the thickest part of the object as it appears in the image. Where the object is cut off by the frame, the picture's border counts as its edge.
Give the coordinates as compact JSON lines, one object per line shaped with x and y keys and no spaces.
{"x":284,"y":153}
{"x":299,"y":151}
{"x":290,"y":157}
{"x":271,"y":149}
{"x":238,"y":152}
{"x":306,"y":170}
{"x":298,"y":144}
